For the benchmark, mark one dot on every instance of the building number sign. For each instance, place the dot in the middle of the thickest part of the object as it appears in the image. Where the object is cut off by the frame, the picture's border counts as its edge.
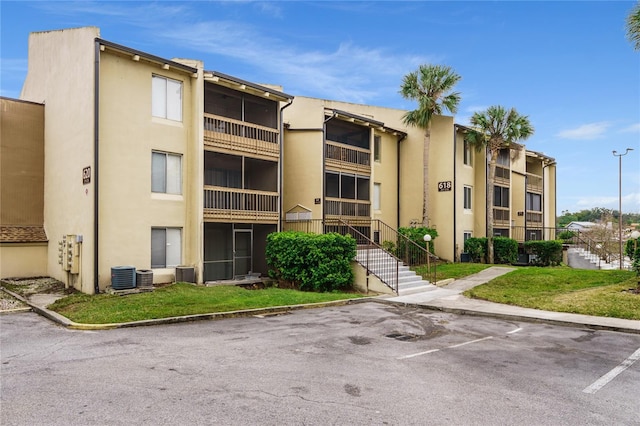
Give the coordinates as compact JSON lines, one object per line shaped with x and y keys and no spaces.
{"x":444,"y":186}
{"x":86,"y":175}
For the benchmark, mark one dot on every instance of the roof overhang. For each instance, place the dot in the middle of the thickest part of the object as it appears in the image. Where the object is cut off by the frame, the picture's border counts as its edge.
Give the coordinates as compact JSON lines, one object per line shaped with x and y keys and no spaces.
{"x":364,"y":121}
{"x":235,"y":83}
{"x":137,"y":55}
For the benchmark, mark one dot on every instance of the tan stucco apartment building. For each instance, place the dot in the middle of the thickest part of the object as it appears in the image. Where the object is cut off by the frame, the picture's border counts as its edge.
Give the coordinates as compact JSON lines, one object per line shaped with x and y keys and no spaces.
{"x":159,"y":163}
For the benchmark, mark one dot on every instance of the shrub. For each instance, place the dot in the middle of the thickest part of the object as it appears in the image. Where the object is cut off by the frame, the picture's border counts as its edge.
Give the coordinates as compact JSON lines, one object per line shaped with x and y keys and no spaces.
{"x":505,"y":250}
{"x":477,"y":249}
{"x":566,"y":235}
{"x":632,"y":249}
{"x":547,"y":253}
{"x":412,"y":256}
{"x":311,"y":262}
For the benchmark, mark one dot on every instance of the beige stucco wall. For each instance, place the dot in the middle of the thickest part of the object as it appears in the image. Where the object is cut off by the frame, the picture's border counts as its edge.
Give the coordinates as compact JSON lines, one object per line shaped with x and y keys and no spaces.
{"x":128,"y":135}
{"x":303,"y":176}
{"x":368,"y":283}
{"x":60,"y":75}
{"x":385,"y":172}
{"x":549,"y":197}
{"x":465,"y":176}
{"x":23,"y":260}
{"x":21,"y":162}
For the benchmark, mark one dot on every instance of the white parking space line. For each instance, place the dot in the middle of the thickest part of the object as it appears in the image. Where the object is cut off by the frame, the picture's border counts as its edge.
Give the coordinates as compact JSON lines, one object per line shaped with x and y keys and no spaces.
{"x":448,"y":347}
{"x":602,"y":381}
{"x":514,"y":331}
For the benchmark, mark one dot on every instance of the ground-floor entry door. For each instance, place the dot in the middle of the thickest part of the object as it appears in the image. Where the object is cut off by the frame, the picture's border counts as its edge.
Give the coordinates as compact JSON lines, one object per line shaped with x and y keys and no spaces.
{"x":242,"y":251}
{"x":232,"y":249}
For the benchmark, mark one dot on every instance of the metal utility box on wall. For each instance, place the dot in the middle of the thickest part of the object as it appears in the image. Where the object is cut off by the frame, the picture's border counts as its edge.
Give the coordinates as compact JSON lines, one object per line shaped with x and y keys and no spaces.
{"x":69,"y":253}
{"x":186,"y":274}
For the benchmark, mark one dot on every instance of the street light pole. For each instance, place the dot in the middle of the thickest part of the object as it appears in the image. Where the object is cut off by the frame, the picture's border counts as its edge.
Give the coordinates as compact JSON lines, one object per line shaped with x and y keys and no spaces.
{"x":615,"y":153}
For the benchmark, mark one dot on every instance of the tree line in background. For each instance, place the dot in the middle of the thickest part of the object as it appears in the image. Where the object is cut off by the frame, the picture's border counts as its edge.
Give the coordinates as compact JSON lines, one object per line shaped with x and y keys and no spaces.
{"x":596,"y":215}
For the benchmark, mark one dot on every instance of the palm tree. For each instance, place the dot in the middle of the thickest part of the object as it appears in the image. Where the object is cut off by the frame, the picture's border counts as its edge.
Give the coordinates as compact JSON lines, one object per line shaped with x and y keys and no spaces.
{"x":496,"y":129}
{"x":431,"y":87}
{"x":633,"y":26}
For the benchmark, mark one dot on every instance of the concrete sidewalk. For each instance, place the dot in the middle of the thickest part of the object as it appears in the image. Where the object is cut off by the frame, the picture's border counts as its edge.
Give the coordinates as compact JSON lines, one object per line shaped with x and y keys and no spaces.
{"x":449,"y":298}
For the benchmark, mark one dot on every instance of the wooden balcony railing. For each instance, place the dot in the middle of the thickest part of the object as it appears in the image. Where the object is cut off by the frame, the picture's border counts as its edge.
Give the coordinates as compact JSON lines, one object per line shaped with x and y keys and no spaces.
{"x":501,"y":216}
{"x":240,"y":204}
{"x":503,"y":175}
{"x":238,"y":136}
{"x":347,"y":157}
{"x":534,"y":218}
{"x":350,"y":209}
{"x":534,"y":183}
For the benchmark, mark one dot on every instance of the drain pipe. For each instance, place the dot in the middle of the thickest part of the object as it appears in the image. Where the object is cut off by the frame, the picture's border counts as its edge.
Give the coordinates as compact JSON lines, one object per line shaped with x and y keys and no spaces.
{"x":96,"y":164}
{"x":280,"y":165}
{"x":455,"y":191}
{"x":402,"y":137}
{"x":324,"y":165}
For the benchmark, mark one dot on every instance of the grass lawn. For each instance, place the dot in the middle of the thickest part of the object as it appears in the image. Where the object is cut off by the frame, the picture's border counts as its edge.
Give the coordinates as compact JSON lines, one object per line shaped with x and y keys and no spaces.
{"x":452,"y":270}
{"x":563,"y":289}
{"x":181,"y":299}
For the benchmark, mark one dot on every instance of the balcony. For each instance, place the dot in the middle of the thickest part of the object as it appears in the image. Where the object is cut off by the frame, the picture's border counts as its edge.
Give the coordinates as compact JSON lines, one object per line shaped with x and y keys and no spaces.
{"x":503,"y":175}
{"x":501,"y":217}
{"x":235,"y":136}
{"x":534,"y":218}
{"x":337,"y":207}
{"x":534,"y":183}
{"x":231,"y":204}
{"x":348,"y":158}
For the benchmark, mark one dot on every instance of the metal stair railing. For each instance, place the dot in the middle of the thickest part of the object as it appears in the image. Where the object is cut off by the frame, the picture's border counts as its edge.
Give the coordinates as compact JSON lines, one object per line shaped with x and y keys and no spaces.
{"x":402,"y":247}
{"x":386,"y":268}
{"x":597,"y":248}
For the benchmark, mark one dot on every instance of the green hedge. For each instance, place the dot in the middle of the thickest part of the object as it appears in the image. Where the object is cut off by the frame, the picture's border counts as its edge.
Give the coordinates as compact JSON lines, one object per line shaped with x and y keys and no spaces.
{"x":505,"y":250}
{"x":548,"y":253}
{"x":477,"y":249}
{"x":311,"y":262}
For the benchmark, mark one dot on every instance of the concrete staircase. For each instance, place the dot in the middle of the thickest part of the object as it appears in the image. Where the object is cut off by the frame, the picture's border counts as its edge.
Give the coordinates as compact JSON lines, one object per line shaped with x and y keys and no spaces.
{"x":383,"y":265}
{"x":580,"y":258}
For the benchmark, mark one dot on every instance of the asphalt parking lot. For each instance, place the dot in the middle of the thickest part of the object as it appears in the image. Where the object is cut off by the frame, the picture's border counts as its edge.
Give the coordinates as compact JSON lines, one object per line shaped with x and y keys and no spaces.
{"x":368,"y":363}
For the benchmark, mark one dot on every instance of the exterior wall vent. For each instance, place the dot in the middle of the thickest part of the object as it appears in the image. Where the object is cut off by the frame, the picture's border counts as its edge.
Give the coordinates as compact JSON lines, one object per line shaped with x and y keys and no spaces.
{"x":123,"y":277}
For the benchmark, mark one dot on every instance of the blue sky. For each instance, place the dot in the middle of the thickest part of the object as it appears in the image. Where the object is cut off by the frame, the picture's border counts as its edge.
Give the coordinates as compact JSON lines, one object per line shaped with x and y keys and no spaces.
{"x":565,"y":64}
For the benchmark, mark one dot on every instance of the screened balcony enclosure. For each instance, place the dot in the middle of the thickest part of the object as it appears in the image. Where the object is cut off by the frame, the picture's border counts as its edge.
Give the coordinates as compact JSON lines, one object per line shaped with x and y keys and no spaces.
{"x":240,"y":188}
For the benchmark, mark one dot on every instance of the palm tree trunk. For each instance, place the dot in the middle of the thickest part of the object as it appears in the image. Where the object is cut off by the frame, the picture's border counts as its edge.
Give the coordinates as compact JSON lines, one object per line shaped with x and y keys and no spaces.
{"x":490,"y":201}
{"x":425,"y":176}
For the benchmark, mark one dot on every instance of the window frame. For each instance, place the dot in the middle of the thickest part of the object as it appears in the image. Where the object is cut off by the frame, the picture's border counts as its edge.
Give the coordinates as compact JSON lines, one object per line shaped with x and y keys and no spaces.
{"x":467,"y":153}
{"x":167,"y":107}
{"x":377,"y":196}
{"x":467,"y":202}
{"x":174,"y":181}
{"x":377,"y":148}
{"x":172,"y":235}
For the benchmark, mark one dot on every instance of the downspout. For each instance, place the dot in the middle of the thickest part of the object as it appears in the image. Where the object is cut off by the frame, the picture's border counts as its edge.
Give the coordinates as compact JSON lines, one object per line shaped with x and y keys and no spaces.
{"x":402,"y":137}
{"x":526,"y":197}
{"x":455,"y":190}
{"x":324,"y":166}
{"x":544,"y":194}
{"x":280,"y":166}
{"x":96,"y":164}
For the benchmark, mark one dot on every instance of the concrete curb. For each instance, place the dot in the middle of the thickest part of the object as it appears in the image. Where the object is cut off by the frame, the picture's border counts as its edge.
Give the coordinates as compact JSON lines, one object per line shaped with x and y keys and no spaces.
{"x":276,"y":310}
{"x":511,"y":317}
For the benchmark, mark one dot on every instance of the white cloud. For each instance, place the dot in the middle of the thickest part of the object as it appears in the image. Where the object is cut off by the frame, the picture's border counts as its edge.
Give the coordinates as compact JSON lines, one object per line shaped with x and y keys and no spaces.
{"x":634,"y":128}
{"x":630,"y":202}
{"x":586,"y":131}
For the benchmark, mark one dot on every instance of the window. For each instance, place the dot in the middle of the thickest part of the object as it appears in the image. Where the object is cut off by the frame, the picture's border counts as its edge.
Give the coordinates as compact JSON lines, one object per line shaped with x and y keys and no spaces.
{"x":352,"y":187}
{"x":467,"y":153}
{"x":377,"y":148}
{"x":166,"y":98}
{"x":467,"y":235}
{"x":166,"y":247}
{"x":377,"y":192}
{"x":467,"y":197}
{"x":166,"y":173}
{"x":534,"y":202}
{"x":503,"y":157}
{"x":500,"y":196}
